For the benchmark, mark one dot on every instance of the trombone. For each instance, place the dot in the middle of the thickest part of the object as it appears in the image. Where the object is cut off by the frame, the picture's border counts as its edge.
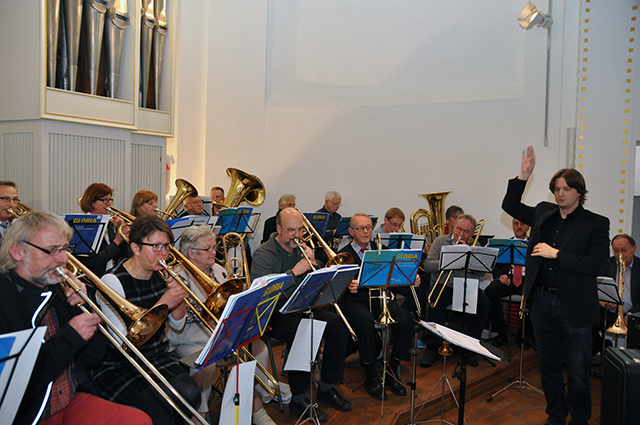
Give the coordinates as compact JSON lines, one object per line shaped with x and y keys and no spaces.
{"x":334,"y":259}
{"x":131,"y":347}
{"x":478,"y":230}
{"x":335,"y":305}
{"x":205,"y":281}
{"x":619,"y":327}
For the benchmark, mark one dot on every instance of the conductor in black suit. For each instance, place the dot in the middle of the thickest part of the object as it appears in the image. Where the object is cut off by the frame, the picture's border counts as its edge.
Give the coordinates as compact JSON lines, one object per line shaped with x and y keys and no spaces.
{"x":568,"y":249}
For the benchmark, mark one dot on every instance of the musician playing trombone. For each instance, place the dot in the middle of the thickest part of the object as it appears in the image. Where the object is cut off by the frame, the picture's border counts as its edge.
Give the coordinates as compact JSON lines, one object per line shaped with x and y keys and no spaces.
{"x":59,"y":390}
{"x":144,"y":202}
{"x":355,"y":306}
{"x":463,"y":231}
{"x":138,"y":280}
{"x":198,"y":245}
{"x":280,"y":254}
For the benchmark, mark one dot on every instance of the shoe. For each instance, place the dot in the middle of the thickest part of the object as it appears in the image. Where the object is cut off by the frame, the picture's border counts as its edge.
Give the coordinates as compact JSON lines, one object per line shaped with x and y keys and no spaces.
{"x":334,"y":399}
{"x":261,"y":417}
{"x":472,"y":359}
{"x":285,"y":392}
{"x":373,"y":386}
{"x":429,"y":358}
{"x":299,"y":408}
{"x":499,"y":340}
{"x":395,"y":386}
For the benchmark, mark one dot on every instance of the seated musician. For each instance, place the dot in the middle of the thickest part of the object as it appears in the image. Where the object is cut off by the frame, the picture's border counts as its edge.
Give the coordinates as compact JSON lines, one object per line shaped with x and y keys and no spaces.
{"x":462,"y":232}
{"x":144,"y":203}
{"x":355,"y":306}
{"x":193,"y":205}
{"x":285,"y":201}
{"x":138,"y":280}
{"x":451,"y":215}
{"x":280,"y":254}
{"x":198,"y":244}
{"x":625,"y":245}
{"x":58,"y":390}
{"x":95,"y":200}
{"x":217,"y":197}
{"x":332,"y":202}
{"x":506,"y":282}
{"x":8,"y":201}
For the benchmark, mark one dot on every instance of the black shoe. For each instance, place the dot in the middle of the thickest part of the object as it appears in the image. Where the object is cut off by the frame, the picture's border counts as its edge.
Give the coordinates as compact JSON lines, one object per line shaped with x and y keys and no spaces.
{"x":299,"y":408}
{"x":429,"y":358}
{"x":395,"y":386}
{"x":334,"y":399}
{"x":472,"y":359}
{"x":499,"y":340}
{"x":374,"y":388}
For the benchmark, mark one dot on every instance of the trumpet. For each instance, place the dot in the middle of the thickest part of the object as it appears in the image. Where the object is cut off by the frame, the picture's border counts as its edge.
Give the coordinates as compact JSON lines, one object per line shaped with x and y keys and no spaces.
{"x":335,"y":305}
{"x":477,"y":231}
{"x":132,"y":348}
{"x":201,"y":277}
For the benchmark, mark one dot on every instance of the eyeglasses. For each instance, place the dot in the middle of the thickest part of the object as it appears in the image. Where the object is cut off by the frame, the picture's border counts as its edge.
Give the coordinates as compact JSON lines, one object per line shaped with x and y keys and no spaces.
{"x":210,"y":250}
{"x":292,"y":231}
{"x":106,"y":200}
{"x":9,"y":199}
{"x":53,"y":251}
{"x":200,"y":202}
{"x":157,"y":247}
{"x":362,"y":229}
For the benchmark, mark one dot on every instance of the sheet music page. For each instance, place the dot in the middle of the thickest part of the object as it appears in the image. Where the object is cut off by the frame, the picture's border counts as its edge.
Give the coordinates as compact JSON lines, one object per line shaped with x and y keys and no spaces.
{"x":459,"y":339}
{"x":608,"y":290}
{"x":13,"y":387}
{"x":299,"y":356}
{"x":483,"y":258}
{"x":228,"y":408}
{"x":458,"y":294}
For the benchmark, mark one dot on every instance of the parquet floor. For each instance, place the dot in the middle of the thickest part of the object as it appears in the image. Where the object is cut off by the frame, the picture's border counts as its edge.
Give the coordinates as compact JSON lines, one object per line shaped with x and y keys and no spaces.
{"x":522,"y":407}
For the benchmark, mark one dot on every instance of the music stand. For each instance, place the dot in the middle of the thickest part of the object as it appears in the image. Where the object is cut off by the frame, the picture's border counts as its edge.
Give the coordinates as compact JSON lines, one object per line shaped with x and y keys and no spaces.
{"x":237,"y":220}
{"x":401,"y":240}
{"x":466,"y":343}
{"x":18,"y":353}
{"x":179,"y":225}
{"x":88,"y":232}
{"x":310,"y":294}
{"x":608,"y":293}
{"x":383,"y":269}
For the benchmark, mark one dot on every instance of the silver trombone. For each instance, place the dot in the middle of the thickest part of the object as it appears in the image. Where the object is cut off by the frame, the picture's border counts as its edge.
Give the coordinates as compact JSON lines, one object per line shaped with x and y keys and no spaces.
{"x":133,"y":349}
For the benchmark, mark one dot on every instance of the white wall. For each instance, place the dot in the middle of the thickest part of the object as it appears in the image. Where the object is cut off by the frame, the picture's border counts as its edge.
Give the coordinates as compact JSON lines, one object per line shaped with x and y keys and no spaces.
{"x":383,"y":101}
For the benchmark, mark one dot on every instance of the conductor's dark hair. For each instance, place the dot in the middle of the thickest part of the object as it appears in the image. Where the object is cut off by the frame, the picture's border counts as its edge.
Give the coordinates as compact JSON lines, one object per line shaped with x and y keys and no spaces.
{"x":574,"y":180}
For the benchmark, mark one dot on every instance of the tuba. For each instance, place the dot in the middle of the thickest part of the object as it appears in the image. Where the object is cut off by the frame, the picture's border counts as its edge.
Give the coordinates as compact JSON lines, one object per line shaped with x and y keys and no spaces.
{"x":244,"y":187}
{"x":185,"y":190}
{"x":435,"y":218}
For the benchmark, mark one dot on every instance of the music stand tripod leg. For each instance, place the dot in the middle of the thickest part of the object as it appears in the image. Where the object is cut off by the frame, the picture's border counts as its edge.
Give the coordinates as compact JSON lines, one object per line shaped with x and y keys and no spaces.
{"x":313,"y":415}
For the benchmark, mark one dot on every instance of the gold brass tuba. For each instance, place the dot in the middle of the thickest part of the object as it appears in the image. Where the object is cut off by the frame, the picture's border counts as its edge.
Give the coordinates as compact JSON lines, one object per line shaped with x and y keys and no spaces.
{"x":478,"y":230}
{"x":436,"y":220}
{"x":619,"y":327}
{"x":244,"y":187}
{"x":185,"y":190}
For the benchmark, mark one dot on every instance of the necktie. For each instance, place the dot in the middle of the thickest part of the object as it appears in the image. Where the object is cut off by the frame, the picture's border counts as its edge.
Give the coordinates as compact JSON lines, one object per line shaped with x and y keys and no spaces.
{"x":517,"y":276}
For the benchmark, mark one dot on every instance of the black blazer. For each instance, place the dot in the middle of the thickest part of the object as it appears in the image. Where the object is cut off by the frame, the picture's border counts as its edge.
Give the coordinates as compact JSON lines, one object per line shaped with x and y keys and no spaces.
{"x":583,"y":255}
{"x":635,"y":281}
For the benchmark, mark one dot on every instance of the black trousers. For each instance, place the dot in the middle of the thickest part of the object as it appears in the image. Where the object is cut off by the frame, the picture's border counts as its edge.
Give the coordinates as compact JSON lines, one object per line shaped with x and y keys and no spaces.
{"x":335,"y":335}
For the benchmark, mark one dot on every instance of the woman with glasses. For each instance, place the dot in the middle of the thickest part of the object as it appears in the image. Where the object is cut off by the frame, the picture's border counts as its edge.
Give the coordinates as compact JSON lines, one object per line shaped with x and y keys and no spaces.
{"x":95,"y":200}
{"x":198,"y":244}
{"x":139,"y":281}
{"x":144,"y":203}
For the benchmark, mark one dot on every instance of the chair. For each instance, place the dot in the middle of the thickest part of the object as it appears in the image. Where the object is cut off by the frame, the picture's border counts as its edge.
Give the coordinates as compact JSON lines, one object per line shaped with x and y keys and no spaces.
{"x":508,"y":311}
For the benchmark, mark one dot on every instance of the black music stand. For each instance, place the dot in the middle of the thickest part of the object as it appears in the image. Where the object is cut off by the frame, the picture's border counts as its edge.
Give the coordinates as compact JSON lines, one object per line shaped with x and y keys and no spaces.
{"x":310,"y":294}
{"x":18,"y":353}
{"x":382,"y":269}
{"x":608,"y":293}
{"x":466,"y":343}
{"x":179,"y":225}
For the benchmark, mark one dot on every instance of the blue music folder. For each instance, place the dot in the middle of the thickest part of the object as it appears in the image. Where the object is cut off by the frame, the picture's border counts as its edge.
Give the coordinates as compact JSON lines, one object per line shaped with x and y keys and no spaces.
{"x":235,"y":220}
{"x":509,"y":246}
{"x":389,"y":267}
{"x":88,"y":231}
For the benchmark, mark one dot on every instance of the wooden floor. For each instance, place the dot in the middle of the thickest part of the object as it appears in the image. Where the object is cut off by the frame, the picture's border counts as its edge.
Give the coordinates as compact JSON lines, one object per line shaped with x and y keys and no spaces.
{"x":514,"y":406}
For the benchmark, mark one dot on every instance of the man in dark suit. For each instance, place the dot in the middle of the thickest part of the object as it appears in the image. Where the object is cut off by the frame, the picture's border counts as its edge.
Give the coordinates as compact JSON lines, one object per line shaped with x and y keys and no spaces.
{"x":568,"y":249}
{"x":355,"y":306}
{"x":625,"y":246}
{"x":507,"y":280}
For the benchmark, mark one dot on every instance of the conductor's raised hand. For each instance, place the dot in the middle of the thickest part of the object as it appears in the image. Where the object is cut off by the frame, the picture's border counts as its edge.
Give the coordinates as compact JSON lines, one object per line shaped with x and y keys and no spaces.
{"x":528,"y":163}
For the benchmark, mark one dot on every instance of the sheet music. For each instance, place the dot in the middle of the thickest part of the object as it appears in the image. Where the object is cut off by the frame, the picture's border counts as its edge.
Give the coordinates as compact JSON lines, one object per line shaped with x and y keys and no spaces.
{"x":179,"y":225}
{"x":245,"y":389}
{"x":402,"y":240}
{"x":459,"y":339}
{"x":458,"y":294}
{"x":12,"y":387}
{"x":608,"y":290}
{"x":299,"y":356}
{"x":482,"y":259}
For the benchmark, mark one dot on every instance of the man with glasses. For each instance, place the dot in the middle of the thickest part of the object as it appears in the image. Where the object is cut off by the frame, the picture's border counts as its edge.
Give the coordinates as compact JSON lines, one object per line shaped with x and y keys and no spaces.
{"x":193,"y":205}
{"x":332,"y":202}
{"x":355,"y":306}
{"x":58,"y":390}
{"x":217,"y":197}
{"x":462,"y":233}
{"x":393,"y":220}
{"x":281,"y":254}
{"x":8,"y":200}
